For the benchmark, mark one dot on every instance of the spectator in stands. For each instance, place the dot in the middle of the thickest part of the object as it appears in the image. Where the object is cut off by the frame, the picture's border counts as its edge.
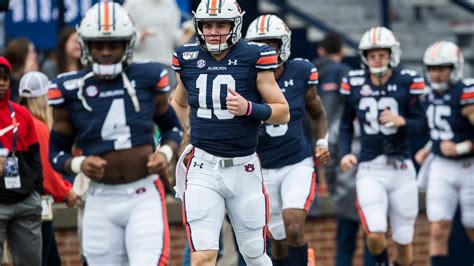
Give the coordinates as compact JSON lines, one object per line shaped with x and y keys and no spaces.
{"x":67,"y":57}
{"x":158,"y":26}
{"x":22,"y":55}
{"x":20,"y":168}
{"x":341,"y":184}
{"x":33,"y":93}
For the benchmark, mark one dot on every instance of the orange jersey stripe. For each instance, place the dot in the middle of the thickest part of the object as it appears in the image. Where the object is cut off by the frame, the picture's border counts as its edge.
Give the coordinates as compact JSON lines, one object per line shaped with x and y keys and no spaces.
{"x":467,"y":95}
{"x":267,"y":60}
{"x":362,"y":217}
{"x":164,"y":82}
{"x":165,"y":253}
{"x":314,"y":76}
{"x":345,"y":86}
{"x":54,"y":94}
{"x":310,"y":197}
{"x":175,"y":61}
{"x":417,"y":86}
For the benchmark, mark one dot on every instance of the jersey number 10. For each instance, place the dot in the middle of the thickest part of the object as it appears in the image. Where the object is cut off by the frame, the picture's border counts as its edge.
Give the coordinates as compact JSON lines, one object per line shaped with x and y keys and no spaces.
{"x":219,"y":80}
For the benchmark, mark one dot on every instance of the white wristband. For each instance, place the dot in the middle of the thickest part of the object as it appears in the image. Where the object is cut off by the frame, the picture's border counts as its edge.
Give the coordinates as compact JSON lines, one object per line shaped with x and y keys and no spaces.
{"x":76,"y":163}
{"x":322,"y":142}
{"x":167,"y":151}
{"x":463,"y":148}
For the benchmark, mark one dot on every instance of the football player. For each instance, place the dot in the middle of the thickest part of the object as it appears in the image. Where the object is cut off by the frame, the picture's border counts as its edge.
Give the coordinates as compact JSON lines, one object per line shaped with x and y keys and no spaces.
{"x":287,"y":156}
{"x":450,"y":113}
{"x":385,"y":100}
{"x":230,"y":88}
{"x":109,"y":110}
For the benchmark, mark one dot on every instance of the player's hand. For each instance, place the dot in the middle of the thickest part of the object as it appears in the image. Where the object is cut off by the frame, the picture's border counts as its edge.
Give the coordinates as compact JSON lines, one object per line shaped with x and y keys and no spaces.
{"x":157,"y":164}
{"x":322,"y":154}
{"x":421,"y":155}
{"x":348,"y":161}
{"x":236,"y":104}
{"x":448,"y":148}
{"x":71,"y":199}
{"x":94,"y":167}
{"x":390,"y":119}
{"x":2,"y":160}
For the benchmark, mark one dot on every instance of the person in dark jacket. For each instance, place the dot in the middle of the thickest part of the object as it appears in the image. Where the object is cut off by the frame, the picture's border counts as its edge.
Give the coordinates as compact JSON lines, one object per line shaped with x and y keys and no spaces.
{"x":21,"y":178}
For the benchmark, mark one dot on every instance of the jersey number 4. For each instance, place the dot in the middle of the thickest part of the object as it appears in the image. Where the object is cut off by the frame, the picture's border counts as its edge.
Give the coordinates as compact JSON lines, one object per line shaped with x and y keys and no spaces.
{"x":217,"y":85}
{"x":373,"y":107}
{"x":115,"y":126}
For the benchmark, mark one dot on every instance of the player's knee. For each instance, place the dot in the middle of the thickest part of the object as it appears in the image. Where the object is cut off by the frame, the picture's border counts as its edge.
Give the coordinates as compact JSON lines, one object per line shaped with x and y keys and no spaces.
{"x":403,"y":235}
{"x":294,"y":231}
{"x":252,"y":248}
{"x":199,"y":258}
{"x":262,"y":260}
{"x":440,"y":232}
{"x":376,"y":242}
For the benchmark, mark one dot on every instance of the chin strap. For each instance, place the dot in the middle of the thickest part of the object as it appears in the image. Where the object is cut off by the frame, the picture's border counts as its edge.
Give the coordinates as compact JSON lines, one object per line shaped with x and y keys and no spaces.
{"x":443,"y":86}
{"x":107,"y":71}
{"x":379,"y":70}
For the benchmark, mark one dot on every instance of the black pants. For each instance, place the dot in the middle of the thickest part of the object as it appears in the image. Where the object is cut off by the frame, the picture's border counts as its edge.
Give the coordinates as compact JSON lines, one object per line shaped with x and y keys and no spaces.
{"x":50,"y":250}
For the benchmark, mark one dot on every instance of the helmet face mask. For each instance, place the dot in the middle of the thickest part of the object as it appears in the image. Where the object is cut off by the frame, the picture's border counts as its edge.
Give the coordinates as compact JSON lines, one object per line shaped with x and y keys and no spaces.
{"x":380,"y":38}
{"x":106,"y":22}
{"x":437,"y":57}
{"x":215,"y":11}
{"x":271,"y":27}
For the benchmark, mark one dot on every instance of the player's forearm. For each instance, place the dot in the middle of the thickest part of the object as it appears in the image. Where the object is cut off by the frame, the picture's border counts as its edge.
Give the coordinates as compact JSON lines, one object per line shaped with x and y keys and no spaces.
{"x":181,"y":111}
{"x":319,"y":125}
{"x":280,"y":114}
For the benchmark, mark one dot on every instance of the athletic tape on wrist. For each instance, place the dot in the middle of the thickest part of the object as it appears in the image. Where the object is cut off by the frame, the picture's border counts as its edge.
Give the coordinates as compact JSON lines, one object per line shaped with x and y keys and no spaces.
{"x":76,"y":163}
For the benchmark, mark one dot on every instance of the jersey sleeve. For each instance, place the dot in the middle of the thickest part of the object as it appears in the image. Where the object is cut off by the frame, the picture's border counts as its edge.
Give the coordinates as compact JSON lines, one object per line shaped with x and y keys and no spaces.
{"x":162,"y":85}
{"x":345,"y":87}
{"x":175,"y":62}
{"x":467,"y":94}
{"x":55,"y":94}
{"x":267,"y":59}
{"x":417,"y":85}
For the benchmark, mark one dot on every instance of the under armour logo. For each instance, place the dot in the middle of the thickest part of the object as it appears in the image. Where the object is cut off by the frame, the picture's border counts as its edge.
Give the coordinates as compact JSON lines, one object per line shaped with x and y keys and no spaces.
{"x":249,"y":167}
{"x":392,"y":87}
{"x":200,"y":165}
{"x":288,"y":83}
{"x":232,"y":62}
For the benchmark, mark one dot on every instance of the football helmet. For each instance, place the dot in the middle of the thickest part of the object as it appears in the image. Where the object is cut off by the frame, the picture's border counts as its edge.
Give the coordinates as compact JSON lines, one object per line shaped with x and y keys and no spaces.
{"x":380,"y":37}
{"x":106,"y":21}
{"x":444,"y":53}
{"x":219,"y":10}
{"x":268,"y":27}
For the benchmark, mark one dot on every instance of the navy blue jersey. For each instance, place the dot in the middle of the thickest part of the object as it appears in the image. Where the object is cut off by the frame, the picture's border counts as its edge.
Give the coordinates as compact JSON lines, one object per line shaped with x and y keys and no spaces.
{"x":444,"y":115}
{"x":282,"y":145}
{"x":113,"y":123}
{"x":366,"y":101}
{"x":206,"y":80}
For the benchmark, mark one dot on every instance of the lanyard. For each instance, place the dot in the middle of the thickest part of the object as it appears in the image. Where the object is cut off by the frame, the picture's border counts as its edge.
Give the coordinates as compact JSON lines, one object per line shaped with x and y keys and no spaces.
{"x":15,"y":128}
